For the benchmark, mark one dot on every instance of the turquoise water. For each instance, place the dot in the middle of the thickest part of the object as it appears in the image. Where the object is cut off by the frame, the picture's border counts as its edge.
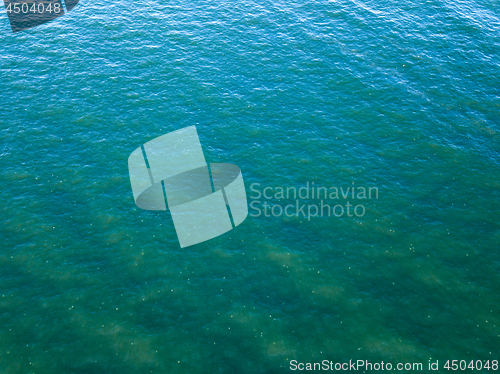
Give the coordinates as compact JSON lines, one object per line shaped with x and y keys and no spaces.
{"x":401,"y":97}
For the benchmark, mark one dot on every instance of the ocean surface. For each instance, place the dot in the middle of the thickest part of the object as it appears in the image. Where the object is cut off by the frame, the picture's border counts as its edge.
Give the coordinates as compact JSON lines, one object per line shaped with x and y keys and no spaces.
{"x":401,"y":97}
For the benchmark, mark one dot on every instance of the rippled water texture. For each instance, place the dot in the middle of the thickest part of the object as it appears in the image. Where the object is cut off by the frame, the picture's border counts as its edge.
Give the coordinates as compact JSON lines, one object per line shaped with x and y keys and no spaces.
{"x":404,"y":97}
